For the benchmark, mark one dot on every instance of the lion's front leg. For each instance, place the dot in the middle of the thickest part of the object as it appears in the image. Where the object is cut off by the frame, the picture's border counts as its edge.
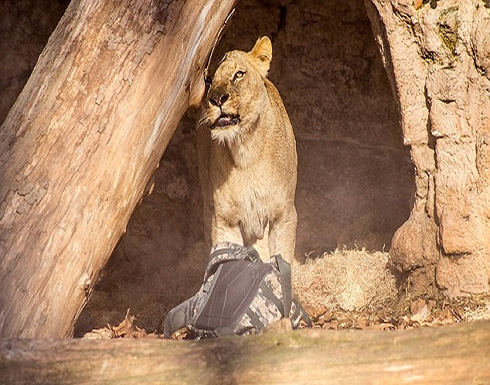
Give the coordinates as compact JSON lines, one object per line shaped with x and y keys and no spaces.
{"x":282,"y":234}
{"x":223,"y":231}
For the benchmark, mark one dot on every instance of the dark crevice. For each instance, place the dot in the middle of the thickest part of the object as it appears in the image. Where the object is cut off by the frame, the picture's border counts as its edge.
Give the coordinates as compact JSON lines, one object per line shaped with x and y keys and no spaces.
{"x":281,"y":25}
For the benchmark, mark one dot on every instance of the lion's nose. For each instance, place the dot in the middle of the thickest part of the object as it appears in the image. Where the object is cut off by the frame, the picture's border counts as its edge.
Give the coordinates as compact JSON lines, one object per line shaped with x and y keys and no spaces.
{"x":219,"y":100}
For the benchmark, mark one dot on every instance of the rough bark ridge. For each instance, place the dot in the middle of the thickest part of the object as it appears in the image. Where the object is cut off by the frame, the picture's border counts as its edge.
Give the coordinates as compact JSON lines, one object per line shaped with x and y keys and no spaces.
{"x":81,"y":142}
{"x":438,"y":59}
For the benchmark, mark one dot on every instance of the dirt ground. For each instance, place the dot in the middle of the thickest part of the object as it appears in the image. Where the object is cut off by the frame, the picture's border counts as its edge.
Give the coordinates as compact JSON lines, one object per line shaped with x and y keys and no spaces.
{"x":344,"y":289}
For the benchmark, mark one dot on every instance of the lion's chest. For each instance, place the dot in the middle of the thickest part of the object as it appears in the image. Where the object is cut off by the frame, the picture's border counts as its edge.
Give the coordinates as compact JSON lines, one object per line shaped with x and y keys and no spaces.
{"x":249,"y":199}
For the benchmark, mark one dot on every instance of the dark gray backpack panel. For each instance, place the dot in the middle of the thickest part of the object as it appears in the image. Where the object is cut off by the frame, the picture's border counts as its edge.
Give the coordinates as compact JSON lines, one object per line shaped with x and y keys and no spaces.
{"x":235,"y":285}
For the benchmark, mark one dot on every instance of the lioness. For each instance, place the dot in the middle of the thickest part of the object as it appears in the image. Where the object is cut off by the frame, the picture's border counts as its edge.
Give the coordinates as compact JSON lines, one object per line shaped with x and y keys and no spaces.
{"x":247,"y":155}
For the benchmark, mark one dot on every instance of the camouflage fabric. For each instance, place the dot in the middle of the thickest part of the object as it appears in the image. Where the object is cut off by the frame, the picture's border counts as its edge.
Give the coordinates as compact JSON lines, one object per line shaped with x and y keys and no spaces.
{"x":240,"y":295}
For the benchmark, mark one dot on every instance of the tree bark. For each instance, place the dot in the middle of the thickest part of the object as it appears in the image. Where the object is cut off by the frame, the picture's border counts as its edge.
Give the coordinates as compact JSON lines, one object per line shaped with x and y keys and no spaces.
{"x":437,"y":57}
{"x":82,"y":141}
{"x":456,"y":354}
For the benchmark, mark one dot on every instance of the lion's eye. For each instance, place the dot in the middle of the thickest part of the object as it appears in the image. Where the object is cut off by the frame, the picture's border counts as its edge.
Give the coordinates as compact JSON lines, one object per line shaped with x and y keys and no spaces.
{"x":238,"y":75}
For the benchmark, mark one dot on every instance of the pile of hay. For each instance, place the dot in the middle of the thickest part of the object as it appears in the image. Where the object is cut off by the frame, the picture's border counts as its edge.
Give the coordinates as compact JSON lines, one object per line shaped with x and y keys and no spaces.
{"x":348,"y":280}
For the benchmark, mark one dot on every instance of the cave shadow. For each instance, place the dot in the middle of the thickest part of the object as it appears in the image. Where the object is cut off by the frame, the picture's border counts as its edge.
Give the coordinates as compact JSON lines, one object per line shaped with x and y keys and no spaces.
{"x":355,"y":196}
{"x":355,"y":178}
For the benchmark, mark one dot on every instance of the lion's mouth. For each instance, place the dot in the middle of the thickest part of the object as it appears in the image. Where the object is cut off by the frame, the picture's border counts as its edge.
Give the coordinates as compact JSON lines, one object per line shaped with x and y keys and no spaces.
{"x":226,"y":120}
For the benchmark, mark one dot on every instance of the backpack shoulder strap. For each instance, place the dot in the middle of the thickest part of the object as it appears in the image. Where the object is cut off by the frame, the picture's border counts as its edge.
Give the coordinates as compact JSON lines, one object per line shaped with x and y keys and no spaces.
{"x":304,"y":315}
{"x":287,"y":291}
{"x":285,"y":271}
{"x":252,"y":254}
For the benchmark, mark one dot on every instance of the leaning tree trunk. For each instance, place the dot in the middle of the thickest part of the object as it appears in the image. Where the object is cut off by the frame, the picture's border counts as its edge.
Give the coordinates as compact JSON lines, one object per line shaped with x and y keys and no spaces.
{"x":82,"y":141}
{"x":437,"y":54}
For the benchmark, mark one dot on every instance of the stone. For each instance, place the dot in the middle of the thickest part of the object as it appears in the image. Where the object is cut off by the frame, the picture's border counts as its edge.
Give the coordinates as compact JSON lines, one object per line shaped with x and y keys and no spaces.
{"x":449,"y":226}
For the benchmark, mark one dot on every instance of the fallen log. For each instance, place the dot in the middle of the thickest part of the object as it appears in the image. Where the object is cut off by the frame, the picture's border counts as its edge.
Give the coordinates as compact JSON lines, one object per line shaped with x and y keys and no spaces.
{"x":455,"y":354}
{"x":81,"y":142}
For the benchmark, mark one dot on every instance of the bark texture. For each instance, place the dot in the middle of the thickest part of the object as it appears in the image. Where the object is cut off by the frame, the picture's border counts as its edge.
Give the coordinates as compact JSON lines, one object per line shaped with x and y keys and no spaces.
{"x":81,"y":143}
{"x":456,"y":354}
{"x":438,"y":59}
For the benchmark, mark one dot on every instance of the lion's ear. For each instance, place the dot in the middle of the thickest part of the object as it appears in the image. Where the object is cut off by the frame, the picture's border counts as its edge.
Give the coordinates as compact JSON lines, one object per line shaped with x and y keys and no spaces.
{"x":262,"y":52}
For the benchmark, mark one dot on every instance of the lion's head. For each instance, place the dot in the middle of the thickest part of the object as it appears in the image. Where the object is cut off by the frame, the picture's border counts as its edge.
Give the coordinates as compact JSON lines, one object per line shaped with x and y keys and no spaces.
{"x":237,"y":93}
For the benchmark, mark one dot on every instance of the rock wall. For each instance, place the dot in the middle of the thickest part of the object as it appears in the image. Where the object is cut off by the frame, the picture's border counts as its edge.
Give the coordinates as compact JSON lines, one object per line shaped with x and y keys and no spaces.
{"x":437,"y":55}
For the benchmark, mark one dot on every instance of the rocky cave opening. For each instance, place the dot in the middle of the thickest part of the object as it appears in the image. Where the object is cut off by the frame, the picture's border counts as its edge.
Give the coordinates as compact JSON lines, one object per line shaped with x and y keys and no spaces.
{"x":355,"y":177}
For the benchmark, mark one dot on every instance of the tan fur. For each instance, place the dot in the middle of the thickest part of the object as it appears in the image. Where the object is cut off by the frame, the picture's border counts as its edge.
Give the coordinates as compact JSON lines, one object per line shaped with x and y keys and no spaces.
{"x":248,"y":169}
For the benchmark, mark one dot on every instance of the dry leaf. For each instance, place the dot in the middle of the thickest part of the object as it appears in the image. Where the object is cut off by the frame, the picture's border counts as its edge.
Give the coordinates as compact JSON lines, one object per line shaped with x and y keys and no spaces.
{"x":315,"y":312}
{"x":386,"y":326}
{"x":419,"y":310}
{"x":283,"y":325}
{"x":126,"y":329}
{"x":181,"y":334}
{"x":99,"y":334}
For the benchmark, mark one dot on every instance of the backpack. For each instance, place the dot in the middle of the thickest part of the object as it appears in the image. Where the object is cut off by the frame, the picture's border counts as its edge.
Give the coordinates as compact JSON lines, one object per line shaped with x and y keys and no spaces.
{"x":240,"y":295}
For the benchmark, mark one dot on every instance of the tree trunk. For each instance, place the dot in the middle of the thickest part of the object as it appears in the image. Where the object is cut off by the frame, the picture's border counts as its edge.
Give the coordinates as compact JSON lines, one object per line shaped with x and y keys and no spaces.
{"x":437,"y":55}
{"x":456,"y":354}
{"x":82,"y":141}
